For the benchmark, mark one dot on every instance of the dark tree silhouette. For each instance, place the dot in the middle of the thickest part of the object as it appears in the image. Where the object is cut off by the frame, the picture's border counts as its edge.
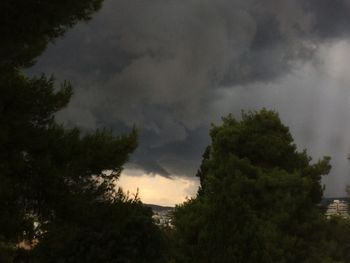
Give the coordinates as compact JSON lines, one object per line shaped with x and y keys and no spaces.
{"x":258,"y":200}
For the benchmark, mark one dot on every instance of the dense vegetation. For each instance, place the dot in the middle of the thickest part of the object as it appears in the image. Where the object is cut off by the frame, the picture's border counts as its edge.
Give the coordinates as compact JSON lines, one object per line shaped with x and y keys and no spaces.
{"x":54,"y":188}
{"x":258,"y":201}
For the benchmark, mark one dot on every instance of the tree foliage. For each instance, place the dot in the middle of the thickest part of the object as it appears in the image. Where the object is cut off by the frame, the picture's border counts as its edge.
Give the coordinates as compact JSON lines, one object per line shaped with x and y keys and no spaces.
{"x":57,"y":185}
{"x":118,"y":231}
{"x":258,"y":200}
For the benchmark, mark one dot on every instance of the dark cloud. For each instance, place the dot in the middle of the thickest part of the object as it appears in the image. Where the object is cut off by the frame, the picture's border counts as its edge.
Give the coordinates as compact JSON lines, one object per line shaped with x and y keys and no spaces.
{"x":162,"y":65}
{"x":182,"y":156}
{"x":330,"y":18}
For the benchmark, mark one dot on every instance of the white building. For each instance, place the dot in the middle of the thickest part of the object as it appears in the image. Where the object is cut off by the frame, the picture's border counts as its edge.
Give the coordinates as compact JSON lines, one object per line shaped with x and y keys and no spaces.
{"x":338,"y":207}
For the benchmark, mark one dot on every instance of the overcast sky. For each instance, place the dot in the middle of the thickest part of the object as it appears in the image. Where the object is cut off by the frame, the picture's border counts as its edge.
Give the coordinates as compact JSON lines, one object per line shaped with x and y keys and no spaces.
{"x":172,"y":67}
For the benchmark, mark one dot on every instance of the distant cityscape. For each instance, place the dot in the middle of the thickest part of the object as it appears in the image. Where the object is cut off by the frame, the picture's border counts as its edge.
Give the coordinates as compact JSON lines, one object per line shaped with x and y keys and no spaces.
{"x":162,"y":215}
{"x":333,"y":207}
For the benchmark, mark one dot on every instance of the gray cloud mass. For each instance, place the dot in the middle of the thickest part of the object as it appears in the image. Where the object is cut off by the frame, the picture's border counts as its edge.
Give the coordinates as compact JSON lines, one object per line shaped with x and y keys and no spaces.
{"x":173,"y":67}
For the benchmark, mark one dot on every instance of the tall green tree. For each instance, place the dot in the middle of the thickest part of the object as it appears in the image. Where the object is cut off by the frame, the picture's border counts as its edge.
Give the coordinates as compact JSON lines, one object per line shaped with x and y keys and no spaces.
{"x":27,"y":107}
{"x":57,"y":185}
{"x":258,"y":200}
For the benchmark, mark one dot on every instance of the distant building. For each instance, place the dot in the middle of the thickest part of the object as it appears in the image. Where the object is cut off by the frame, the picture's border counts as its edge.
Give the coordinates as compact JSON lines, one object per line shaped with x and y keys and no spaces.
{"x":162,"y":215}
{"x":339,"y":208}
{"x":163,"y":220}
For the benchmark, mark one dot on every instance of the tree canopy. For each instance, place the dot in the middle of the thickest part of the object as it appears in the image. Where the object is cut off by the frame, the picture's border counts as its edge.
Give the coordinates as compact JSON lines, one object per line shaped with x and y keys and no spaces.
{"x":259,"y":196}
{"x":57,"y":185}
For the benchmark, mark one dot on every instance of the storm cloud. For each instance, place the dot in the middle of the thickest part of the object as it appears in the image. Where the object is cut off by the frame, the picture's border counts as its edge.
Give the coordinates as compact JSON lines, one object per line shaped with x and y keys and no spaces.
{"x":173,"y":67}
